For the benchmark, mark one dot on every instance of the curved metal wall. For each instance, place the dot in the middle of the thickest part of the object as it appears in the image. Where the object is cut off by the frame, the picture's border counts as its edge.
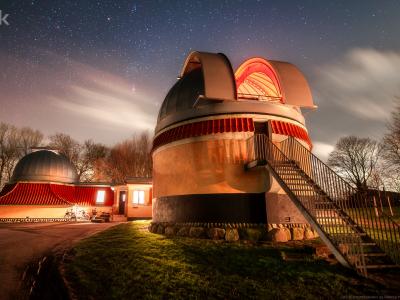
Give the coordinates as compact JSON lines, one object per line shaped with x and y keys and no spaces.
{"x":46,"y":166}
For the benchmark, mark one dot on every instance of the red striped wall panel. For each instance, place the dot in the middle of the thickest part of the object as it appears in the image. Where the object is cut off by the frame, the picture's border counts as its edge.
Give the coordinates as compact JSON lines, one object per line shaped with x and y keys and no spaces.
{"x":86,"y":195}
{"x":54,"y":194}
{"x":32,"y":194}
{"x":208,"y":127}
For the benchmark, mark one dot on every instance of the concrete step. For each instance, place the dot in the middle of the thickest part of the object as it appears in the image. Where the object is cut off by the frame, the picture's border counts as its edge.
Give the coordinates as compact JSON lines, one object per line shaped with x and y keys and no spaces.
{"x":291,"y":165}
{"x":375,"y":254}
{"x":367,"y":244}
{"x":293,"y":175}
{"x":342,"y":225}
{"x":298,"y":181}
{"x":119,"y":218}
{"x":337,"y":217}
{"x":379,"y":266}
{"x":347,"y":234}
{"x":324,"y":203}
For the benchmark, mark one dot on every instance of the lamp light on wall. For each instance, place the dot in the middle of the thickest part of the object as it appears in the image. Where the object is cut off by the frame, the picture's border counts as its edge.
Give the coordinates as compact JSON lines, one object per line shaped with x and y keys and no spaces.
{"x":100,"y":197}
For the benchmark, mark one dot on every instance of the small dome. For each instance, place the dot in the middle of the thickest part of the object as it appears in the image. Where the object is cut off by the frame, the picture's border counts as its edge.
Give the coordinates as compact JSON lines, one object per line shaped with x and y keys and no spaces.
{"x":45,"y":165}
{"x":183,"y":94}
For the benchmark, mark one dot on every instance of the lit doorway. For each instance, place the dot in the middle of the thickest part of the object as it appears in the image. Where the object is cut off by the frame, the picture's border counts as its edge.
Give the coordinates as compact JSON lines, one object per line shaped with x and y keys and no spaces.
{"x":122,"y":201}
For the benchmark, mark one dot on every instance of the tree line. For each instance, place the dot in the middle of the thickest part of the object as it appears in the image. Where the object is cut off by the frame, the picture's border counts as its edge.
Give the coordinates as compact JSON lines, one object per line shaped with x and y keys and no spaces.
{"x":94,"y":162}
{"x":370,"y":164}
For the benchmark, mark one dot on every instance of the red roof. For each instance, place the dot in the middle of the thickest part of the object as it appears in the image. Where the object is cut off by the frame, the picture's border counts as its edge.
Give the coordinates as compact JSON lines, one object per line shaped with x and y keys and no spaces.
{"x":25,"y":193}
{"x":30,"y":194}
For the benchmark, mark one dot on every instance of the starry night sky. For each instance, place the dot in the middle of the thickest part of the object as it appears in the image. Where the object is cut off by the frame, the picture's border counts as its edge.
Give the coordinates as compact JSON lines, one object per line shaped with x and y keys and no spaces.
{"x":100,"y":69}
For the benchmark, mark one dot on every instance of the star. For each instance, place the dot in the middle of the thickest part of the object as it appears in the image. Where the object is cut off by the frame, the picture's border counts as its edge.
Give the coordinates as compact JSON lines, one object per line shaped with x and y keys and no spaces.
{"x":134,"y":8}
{"x":146,"y":42}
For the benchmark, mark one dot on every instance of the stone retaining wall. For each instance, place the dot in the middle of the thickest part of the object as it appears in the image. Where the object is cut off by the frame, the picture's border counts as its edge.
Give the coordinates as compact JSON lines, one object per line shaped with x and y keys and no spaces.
{"x":236,"y":231}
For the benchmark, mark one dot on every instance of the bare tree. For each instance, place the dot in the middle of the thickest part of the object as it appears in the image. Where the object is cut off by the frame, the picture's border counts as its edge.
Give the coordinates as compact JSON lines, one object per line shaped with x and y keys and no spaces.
{"x":130,"y":158}
{"x":144,"y":164}
{"x":356,"y":159}
{"x":29,"y":138}
{"x":377,"y":179}
{"x":83,"y":156}
{"x":15,"y":143}
{"x":8,"y":150}
{"x":67,"y":146}
{"x":391,"y":151}
{"x":392,"y":181}
{"x":90,"y":164}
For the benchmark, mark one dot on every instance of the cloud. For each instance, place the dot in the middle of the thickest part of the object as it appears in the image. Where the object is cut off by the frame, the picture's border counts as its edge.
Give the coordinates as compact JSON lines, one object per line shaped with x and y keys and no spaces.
{"x":65,"y":95}
{"x":322,"y":150}
{"x":355,"y":94}
{"x":98,"y":96}
{"x":365,"y":82}
{"x":60,"y":94}
{"x":115,"y":106}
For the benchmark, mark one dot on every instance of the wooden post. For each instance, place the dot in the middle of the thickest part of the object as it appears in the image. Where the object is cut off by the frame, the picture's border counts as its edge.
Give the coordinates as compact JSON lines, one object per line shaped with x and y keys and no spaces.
{"x":390,"y":206}
{"x":268,"y":145}
{"x":375,"y":207}
{"x":380,"y":201}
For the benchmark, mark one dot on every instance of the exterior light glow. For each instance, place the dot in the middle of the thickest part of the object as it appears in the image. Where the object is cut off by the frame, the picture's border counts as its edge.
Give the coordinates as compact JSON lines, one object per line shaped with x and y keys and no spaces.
{"x":100,"y":197}
{"x":256,"y":79}
{"x":138,"y":197}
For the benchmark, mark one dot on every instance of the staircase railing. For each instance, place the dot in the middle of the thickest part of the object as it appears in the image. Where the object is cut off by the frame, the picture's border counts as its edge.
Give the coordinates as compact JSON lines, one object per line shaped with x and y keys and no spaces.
{"x":348,"y":218}
{"x":361,"y":208}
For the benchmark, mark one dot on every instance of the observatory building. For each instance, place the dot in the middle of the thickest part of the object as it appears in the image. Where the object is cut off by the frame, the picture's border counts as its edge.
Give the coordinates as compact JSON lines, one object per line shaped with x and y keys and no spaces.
{"x":201,"y":145}
{"x":231,"y":160}
{"x":45,"y":185}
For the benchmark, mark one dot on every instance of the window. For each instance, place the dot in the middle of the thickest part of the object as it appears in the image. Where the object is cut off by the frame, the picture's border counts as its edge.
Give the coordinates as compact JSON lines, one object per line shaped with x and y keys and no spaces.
{"x":138,"y":197}
{"x":100,"y":197}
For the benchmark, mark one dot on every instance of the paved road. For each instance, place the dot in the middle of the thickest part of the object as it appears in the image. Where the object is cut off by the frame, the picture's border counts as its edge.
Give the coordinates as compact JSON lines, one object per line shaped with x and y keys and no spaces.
{"x":22,"y":243}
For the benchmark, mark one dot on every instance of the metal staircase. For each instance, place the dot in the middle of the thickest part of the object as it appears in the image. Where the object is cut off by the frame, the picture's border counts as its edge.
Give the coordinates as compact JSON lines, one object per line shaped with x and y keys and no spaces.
{"x":347,"y":221}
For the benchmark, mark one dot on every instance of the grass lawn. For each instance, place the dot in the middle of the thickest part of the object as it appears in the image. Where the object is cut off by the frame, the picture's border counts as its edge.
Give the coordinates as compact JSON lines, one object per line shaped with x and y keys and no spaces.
{"x":128,"y":262}
{"x":370,"y":212}
{"x":396,"y":213}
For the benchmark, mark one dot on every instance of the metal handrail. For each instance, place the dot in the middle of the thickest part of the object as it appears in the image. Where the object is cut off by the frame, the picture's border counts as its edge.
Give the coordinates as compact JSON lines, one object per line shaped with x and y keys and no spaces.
{"x":343,"y":214}
{"x":293,"y":140}
{"x":378,"y":225}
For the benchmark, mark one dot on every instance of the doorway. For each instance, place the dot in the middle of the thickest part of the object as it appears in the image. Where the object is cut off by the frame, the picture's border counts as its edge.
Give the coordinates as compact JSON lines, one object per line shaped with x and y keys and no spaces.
{"x":121,"y":203}
{"x":262,"y":133}
{"x":261,"y":128}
